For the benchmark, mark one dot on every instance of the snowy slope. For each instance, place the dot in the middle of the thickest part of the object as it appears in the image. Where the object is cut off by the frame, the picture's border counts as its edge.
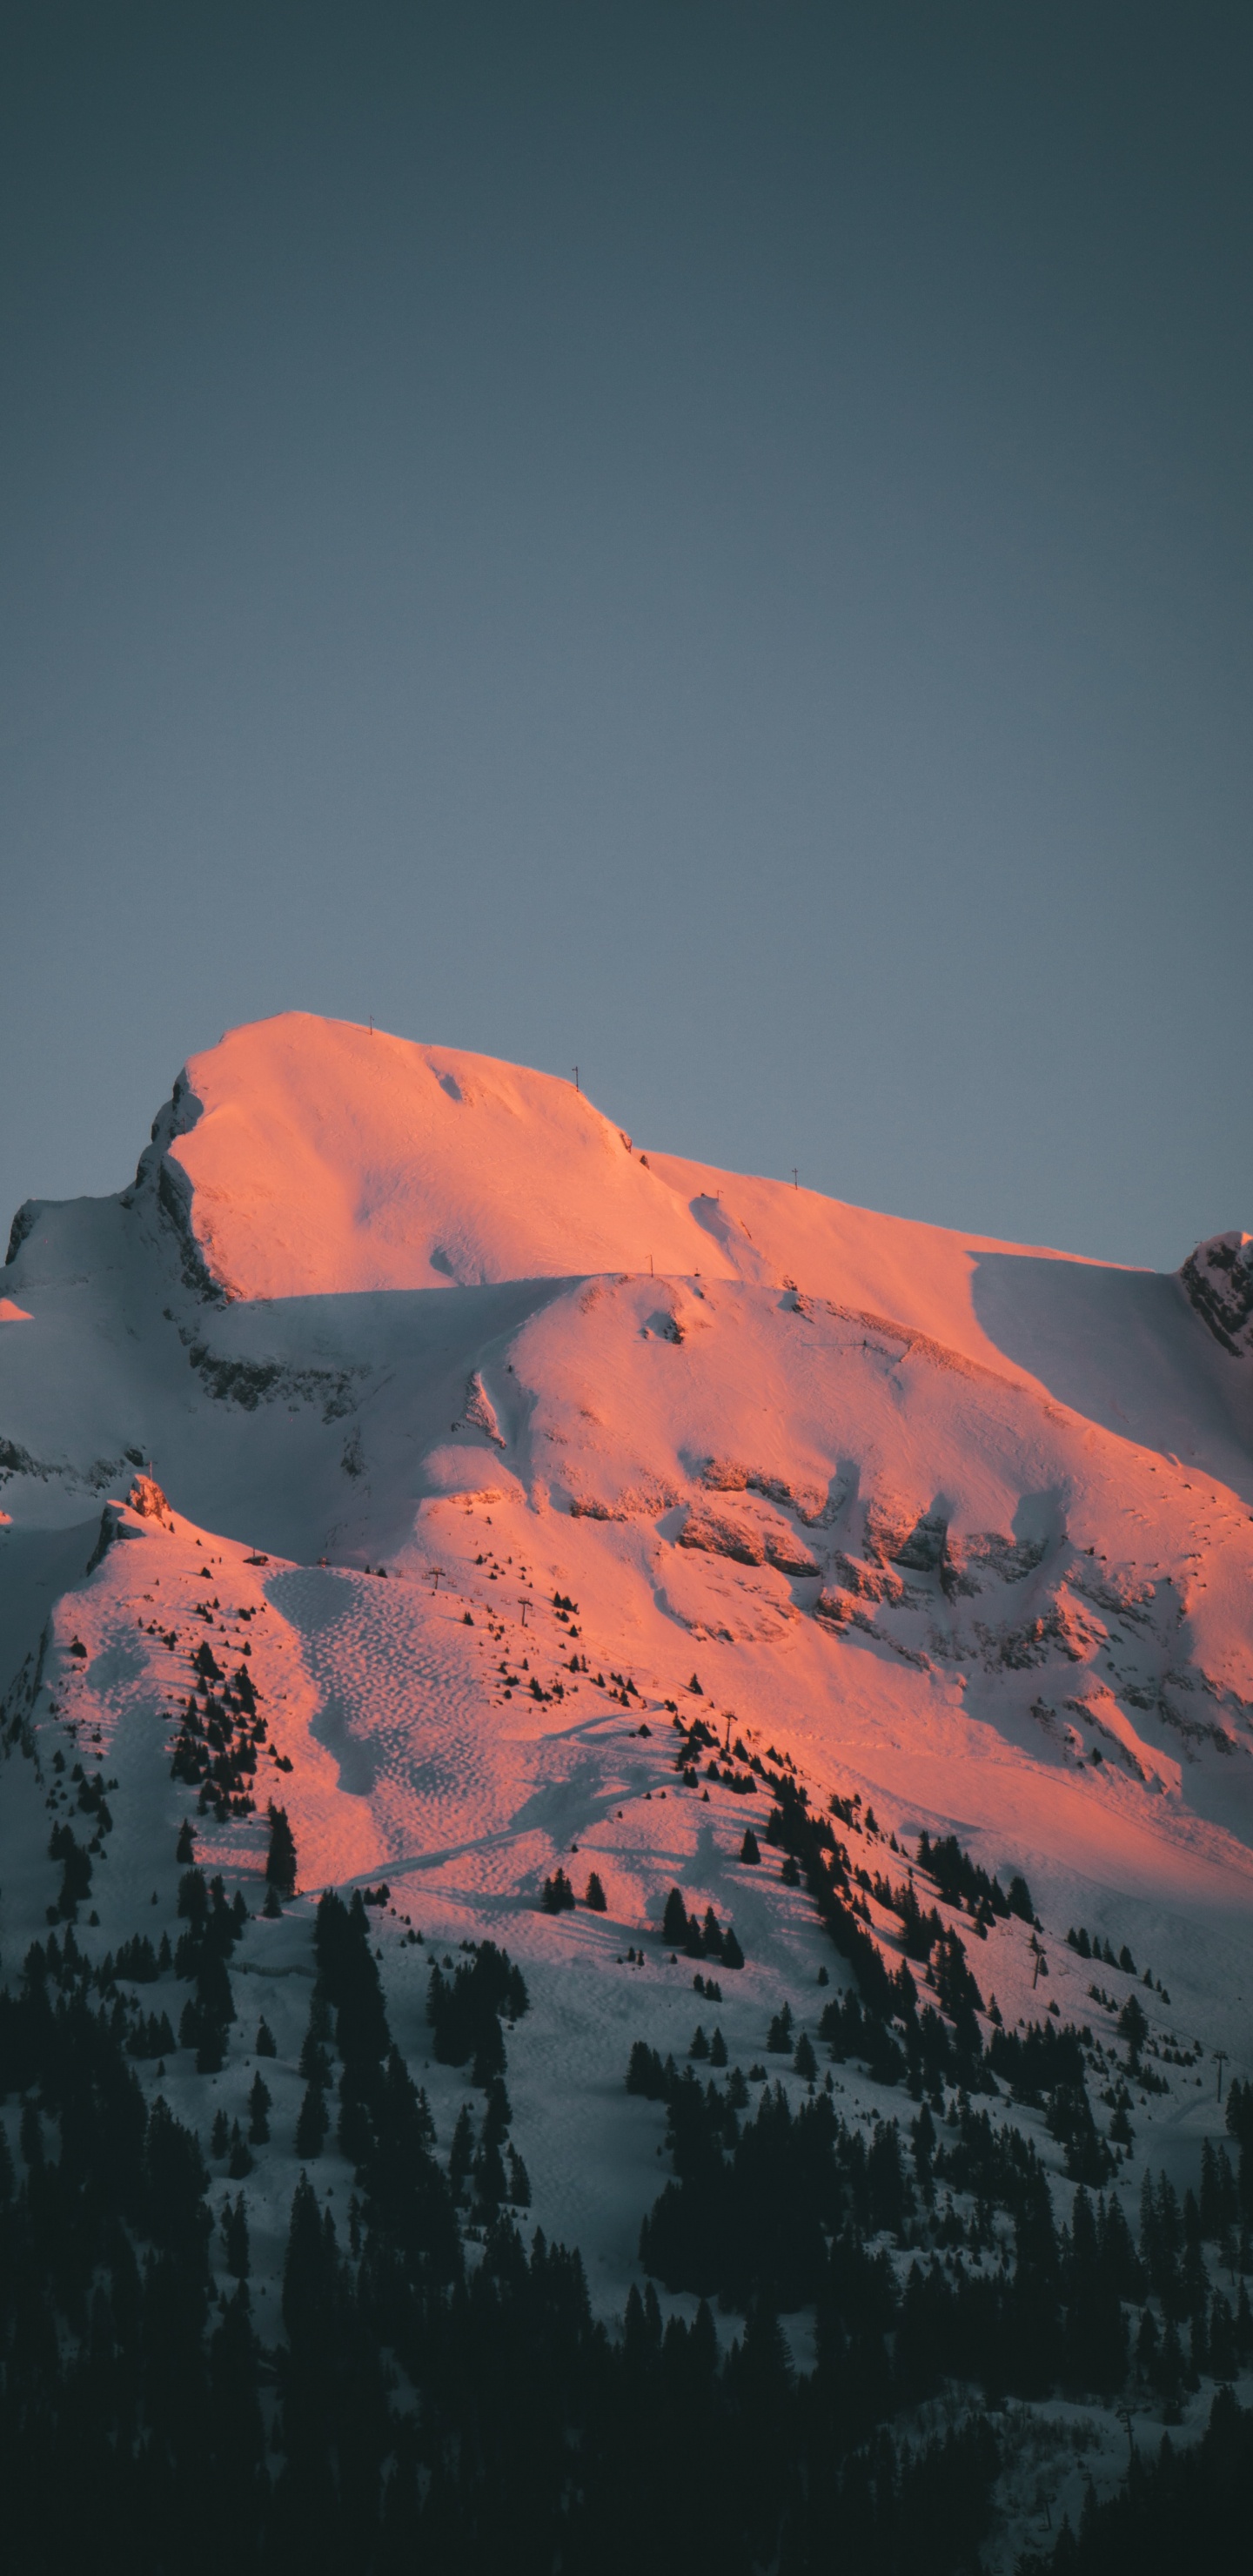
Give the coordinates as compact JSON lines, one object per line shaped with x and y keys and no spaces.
{"x":944,"y":1521}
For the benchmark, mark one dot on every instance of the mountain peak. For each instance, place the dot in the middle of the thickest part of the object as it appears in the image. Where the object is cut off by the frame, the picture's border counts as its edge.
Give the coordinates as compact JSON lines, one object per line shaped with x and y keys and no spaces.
{"x":314,"y":1157}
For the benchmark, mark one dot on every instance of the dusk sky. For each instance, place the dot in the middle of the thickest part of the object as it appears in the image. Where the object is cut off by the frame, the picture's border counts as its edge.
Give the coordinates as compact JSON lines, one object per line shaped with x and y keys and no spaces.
{"x":707,"y":542}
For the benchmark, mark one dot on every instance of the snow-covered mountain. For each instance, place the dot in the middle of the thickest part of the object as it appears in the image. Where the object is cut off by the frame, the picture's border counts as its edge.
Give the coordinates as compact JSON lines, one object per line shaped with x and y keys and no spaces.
{"x":951,"y":1516}
{"x":499,"y":1449}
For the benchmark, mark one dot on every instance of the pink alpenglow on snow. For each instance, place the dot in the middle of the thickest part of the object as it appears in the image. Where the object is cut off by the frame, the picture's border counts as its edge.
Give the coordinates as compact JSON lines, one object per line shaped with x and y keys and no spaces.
{"x":328,"y":1159}
{"x":494,"y":1452}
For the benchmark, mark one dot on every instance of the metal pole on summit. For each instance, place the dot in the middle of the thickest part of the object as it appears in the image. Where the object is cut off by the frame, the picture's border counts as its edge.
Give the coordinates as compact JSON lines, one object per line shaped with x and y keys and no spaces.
{"x":575,"y":1070}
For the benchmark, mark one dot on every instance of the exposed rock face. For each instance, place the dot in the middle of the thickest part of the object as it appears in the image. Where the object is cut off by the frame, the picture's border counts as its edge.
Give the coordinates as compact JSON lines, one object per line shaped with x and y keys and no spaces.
{"x":867,"y":1582}
{"x":899,"y":1534}
{"x":1218,"y":1278}
{"x":923,"y":1550}
{"x":789,"y":1556}
{"x":721,"y":1534}
{"x":146,"y":1498}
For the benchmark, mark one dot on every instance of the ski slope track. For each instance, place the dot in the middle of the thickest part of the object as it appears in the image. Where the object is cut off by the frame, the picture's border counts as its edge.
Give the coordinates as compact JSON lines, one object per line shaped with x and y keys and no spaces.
{"x":411,"y":1342}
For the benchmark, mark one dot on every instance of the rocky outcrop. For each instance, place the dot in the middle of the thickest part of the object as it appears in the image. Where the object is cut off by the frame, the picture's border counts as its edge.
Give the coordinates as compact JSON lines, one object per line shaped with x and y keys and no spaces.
{"x":1218,"y":1278}
{"x":722,"y":1534}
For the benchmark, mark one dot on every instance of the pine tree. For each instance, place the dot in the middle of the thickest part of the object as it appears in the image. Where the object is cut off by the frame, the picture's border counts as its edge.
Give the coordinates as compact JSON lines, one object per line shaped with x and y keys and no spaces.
{"x":803,"y":2058}
{"x":280,"y":1860}
{"x":497,"y":2112}
{"x":235,"y":2236}
{"x":1133,"y":2026}
{"x":489,"y":2055}
{"x":519,"y":2181}
{"x":595,"y":1897}
{"x":489,"y":2176}
{"x":266,"y":2044}
{"x":312,"y":2124}
{"x":748,"y":1848}
{"x":314,"y":2063}
{"x":717,"y":2049}
{"x":259,"y":2112}
{"x":184,"y":1849}
{"x":732,"y":1955}
{"x":674,"y":1920}
{"x":461,"y":2153}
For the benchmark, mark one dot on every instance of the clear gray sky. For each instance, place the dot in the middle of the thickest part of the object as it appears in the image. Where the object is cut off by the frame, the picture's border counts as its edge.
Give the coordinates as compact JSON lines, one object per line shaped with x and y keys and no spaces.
{"x":709,"y":541}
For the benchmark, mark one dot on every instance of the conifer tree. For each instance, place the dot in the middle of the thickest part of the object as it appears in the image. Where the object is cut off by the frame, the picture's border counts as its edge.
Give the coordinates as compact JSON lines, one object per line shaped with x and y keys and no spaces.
{"x":235,"y":2236}
{"x":461,"y":2153}
{"x":239,"y":2161}
{"x":489,"y":2054}
{"x":259,"y":2112}
{"x":674,"y":1920}
{"x":748,"y":1848}
{"x":1133,"y":2026}
{"x":266,"y":2044}
{"x":280,"y":1859}
{"x":497,"y":2112}
{"x":312,"y":2123}
{"x":489,"y":2176}
{"x":595,"y":1897}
